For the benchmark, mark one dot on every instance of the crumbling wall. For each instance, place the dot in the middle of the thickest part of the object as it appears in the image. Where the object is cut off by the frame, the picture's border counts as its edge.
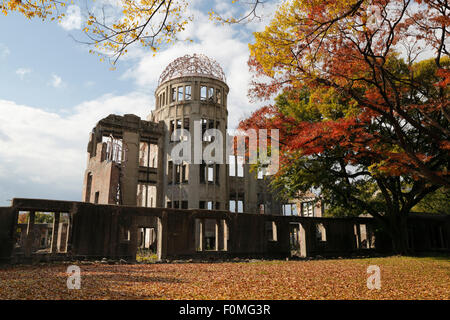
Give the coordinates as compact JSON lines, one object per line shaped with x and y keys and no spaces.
{"x":7,"y":233}
{"x":111,"y":231}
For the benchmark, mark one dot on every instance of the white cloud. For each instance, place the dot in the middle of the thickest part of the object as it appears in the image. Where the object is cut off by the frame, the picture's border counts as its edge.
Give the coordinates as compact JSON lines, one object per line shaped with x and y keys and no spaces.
{"x":56,"y":81}
{"x":89,"y":83}
{"x":4,"y":51}
{"x":22,"y":72}
{"x":43,"y":154}
{"x":73,"y":19}
{"x":223,"y":43}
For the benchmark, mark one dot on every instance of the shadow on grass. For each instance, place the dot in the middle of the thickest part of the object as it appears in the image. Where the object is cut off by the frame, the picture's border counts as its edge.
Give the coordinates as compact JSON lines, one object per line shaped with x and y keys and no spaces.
{"x":124,"y":277}
{"x":432,"y":256}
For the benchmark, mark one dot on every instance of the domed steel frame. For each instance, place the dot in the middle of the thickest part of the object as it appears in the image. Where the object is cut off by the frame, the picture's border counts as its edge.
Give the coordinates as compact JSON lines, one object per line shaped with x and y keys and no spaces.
{"x":195,"y":65}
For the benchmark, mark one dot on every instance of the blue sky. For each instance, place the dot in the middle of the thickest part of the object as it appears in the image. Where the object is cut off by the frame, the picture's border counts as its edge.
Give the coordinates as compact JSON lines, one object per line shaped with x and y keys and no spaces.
{"x":52,"y":92}
{"x":44,"y":50}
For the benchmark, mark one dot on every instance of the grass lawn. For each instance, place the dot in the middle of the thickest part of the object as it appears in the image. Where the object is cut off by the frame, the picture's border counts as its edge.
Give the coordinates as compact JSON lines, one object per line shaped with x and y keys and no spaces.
{"x":401,"y":278}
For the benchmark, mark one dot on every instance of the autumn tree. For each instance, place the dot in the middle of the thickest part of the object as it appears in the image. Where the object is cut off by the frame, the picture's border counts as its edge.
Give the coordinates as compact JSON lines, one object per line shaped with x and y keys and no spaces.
{"x":40,"y":217}
{"x":348,"y":46}
{"x":330,"y":143}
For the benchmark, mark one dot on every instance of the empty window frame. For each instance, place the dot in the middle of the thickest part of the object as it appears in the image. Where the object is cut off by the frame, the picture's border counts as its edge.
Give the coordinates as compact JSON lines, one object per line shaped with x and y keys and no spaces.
{"x":88,"y":188}
{"x":262,"y":208}
{"x":308,"y":209}
{"x":125,"y":234}
{"x":236,"y":206}
{"x":207,"y":173}
{"x":161,"y":100}
{"x":271,"y":231}
{"x":179,"y":128}
{"x":183,"y":124}
{"x":203,"y":172}
{"x":177,"y":173}
{"x":153,"y":156}
{"x":204,"y":128}
{"x":240,"y":206}
{"x":144,"y":154}
{"x":289,"y":209}
{"x":207,"y":124}
{"x":170,"y":172}
{"x":146,"y":238}
{"x":176,"y":125}
{"x":114,"y":149}
{"x":145,"y":195}
{"x":219,"y":96}
{"x":187,"y":92}
{"x":321,"y":232}
{"x":211,"y":94}
{"x":23,"y":219}
{"x":171,"y":128}
{"x":240,"y":166}
{"x":211,"y":124}
{"x":180,"y":93}
{"x":210,"y":234}
{"x":173,"y":95}
{"x":63,"y":232}
{"x":186,"y":124}
{"x":203,"y":93}
{"x":184,"y":173}
{"x":210,"y":174}
{"x":232,"y":166}
{"x":177,"y":169}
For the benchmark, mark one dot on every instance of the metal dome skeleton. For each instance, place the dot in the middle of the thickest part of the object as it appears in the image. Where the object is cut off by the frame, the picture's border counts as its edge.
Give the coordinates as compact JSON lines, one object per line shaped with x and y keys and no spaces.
{"x":195,"y":65}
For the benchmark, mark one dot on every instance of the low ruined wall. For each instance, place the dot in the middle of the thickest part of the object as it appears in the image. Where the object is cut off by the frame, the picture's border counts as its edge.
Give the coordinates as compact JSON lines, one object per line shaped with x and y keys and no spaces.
{"x":428,"y":232}
{"x":97,"y":231}
{"x":8,"y":218}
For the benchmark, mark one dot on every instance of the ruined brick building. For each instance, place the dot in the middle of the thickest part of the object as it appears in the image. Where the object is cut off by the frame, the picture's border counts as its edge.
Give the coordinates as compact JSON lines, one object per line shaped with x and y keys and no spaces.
{"x":135,"y":196}
{"x":129,"y":158}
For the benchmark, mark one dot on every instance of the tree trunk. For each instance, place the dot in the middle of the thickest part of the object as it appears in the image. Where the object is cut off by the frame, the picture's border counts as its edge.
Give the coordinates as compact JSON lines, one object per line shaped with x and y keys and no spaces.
{"x":399,"y":234}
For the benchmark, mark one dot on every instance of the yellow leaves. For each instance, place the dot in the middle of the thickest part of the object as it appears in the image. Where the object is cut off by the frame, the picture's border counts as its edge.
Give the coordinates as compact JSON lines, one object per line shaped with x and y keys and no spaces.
{"x":402,"y":278}
{"x":33,"y":8}
{"x":150,"y":23}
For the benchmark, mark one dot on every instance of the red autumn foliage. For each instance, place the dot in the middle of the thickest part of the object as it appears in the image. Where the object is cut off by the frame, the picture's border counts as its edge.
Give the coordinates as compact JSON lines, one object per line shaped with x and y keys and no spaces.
{"x":352,"y":48}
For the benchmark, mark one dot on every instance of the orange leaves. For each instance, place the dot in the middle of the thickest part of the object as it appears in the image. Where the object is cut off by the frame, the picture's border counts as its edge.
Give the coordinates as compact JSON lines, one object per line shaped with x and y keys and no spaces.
{"x":401,"y":278}
{"x":444,"y":74}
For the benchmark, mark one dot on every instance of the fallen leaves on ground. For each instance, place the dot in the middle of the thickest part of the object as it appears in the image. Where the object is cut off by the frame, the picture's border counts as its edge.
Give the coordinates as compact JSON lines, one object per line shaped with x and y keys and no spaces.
{"x":401,"y":278}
